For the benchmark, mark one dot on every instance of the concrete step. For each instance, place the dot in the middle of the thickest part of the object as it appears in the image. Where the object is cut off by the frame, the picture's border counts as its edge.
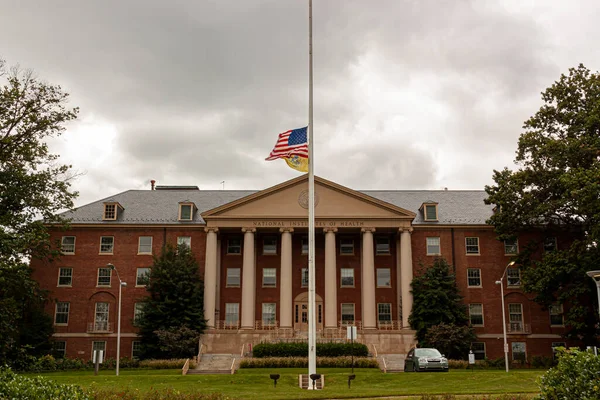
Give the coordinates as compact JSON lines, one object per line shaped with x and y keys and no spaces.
{"x":208,"y":372}
{"x":214,"y":364}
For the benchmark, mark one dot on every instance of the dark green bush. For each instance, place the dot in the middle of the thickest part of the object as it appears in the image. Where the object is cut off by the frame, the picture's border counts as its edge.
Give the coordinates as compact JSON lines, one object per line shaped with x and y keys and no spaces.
{"x":13,"y":386}
{"x":301,"y":350}
{"x":542,"y":362}
{"x":302,"y":362}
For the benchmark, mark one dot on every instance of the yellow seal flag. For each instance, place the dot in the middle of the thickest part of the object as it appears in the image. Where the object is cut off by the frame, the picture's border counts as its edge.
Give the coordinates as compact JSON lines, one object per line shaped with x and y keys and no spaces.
{"x":297,"y":163}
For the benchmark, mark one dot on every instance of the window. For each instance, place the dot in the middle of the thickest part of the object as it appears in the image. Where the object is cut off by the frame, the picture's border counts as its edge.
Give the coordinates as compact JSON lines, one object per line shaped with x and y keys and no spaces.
{"x":478,"y":349}
{"x":234,"y":245}
{"x":101,"y":320}
{"x":184,"y":241}
{"x":430,"y":212}
{"x":384,"y":278}
{"x":107,"y":244}
{"x":519,"y":352}
{"x":433,"y":246}
{"x":382,"y":245}
{"x":346,"y":246}
{"x":233,"y":277}
{"x":145,"y":245}
{"x":556,"y":315}
{"x":185,"y":212}
{"x":384,"y":312}
{"x":67,"y":245}
{"x":136,"y":349}
{"x":110,"y":212}
{"x":138,"y":309}
{"x":104,"y":276}
{"x":269,"y":277}
{"x":304,"y":245}
{"x":98,"y":346}
{"x":268,"y":313}
{"x":347,"y":313}
{"x":476,"y":314}
{"x":270,"y":245}
{"x":143,"y":277}
{"x":513,"y":277}
{"x":232,"y":311}
{"x":515,"y":316}
{"x":473,"y":277}
{"x":550,"y":243}
{"x":511,"y":247}
{"x":347,"y":275}
{"x":65,"y":276}
{"x":304,"y":277}
{"x":61,"y":316}
{"x":59,"y":349}
{"x":472,"y":244}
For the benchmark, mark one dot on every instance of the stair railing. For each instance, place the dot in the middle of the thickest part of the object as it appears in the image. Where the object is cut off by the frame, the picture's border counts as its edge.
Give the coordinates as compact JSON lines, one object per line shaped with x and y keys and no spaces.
{"x":186,"y":367}
{"x":232,"y":366}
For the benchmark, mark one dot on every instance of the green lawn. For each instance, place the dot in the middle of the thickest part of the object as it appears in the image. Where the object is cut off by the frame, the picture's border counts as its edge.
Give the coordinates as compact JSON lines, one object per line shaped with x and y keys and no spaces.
{"x":255,"y":383}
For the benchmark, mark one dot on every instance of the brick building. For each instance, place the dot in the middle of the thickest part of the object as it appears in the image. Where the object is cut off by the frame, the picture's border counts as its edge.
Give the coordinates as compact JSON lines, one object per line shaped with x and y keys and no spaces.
{"x":252,"y":249}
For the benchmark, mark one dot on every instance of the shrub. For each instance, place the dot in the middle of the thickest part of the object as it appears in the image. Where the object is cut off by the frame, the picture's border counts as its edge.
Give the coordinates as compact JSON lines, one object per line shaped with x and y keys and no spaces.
{"x":458,"y":364}
{"x":301,"y":350}
{"x":302,"y":362}
{"x":575,"y":377}
{"x":13,"y":386}
{"x":154,"y":394}
{"x":542,"y":362}
{"x":165,"y":364}
{"x":475,"y":397}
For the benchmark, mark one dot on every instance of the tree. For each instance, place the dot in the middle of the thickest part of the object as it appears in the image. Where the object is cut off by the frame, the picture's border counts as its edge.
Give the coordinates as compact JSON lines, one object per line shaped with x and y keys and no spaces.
{"x":34,"y":187}
{"x":454,"y":341}
{"x":436,"y":301}
{"x":555,"y":192}
{"x":174,"y":309}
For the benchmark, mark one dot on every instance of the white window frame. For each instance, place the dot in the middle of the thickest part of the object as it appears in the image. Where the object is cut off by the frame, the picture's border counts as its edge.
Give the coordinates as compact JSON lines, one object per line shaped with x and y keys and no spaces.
{"x":110,"y":209}
{"x":61,"y":275}
{"x":346,"y":320}
{"x":137,"y":313}
{"x":269,"y":249}
{"x":64,"y":245}
{"x":509,"y":246}
{"x":304,"y":277}
{"x":524,"y":352}
{"x":342,"y":278}
{"x":474,"y":309}
{"x":233,"y":273}
{"x":477,"y":351}
{"x":107,"y":250}
{"x":186,"y":205}
{"x":184,"y":240}
{"x":270,"y":321}
{"x":137,"y":276}
{"x":102,"y":274}
{"x":425,"y":214}
{"x":389,"y":274}
{"x":472,"y":276}
{"x":346,"y":246}
{"x":510,"y":277}
{"x":232,"y":309}
{"x":133,"y":346}
{"x":96,"y":346}
{"x":382,"y":246}
{"x":430,"y":243}
{"x":100,"y":321}
{"x":62,"y":312}
{"x":556,"y":310}
{"x":272,"y":274}
{"x":471,"y":252}
{"x":63,"y":350}
{"x":143,"y":248}
{"x":512,"y":317}
{"x":380,"y":313}
{"x":232,"y":248}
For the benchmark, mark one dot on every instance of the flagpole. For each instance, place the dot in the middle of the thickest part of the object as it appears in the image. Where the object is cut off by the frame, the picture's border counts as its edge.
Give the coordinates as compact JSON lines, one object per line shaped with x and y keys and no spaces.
{"x":312,"y":331}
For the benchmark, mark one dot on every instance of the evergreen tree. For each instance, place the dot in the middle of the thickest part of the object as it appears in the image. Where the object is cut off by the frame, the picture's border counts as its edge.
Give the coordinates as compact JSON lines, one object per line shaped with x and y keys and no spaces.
{"x":436,"y":300}
{"x":175,"y":305}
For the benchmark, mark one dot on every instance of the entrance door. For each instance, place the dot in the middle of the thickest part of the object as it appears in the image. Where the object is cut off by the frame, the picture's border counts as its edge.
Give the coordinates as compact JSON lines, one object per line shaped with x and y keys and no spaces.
{"x":301,"y":312}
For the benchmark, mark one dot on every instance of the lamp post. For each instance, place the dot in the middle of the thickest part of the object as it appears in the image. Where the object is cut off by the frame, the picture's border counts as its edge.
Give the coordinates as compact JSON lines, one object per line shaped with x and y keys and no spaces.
{"x":595,"y":275}
{"x":121,"y":286}
{"x":504,"y":314}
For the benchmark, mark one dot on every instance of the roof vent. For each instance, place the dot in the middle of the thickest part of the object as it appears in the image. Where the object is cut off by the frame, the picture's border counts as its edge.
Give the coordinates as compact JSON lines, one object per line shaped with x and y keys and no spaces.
{"x":158,"y":187}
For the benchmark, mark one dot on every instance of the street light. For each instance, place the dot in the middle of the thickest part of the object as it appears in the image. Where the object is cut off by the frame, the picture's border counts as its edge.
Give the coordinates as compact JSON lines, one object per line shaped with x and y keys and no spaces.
{"x":121,"y":286}
{"x":510,"y":264}
{"x":595,"y":275}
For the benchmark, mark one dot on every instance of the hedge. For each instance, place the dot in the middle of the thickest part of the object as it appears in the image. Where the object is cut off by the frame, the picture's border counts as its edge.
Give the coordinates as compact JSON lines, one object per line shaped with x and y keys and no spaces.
{"x":263,"y":350}
{"x":13,"y":386}
{"x":49,"y":363}
{"x":302,"y":362}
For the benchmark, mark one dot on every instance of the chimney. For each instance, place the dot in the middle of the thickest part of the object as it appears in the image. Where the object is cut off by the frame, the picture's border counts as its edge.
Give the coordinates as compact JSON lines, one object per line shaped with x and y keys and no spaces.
{"x":152,"y":182}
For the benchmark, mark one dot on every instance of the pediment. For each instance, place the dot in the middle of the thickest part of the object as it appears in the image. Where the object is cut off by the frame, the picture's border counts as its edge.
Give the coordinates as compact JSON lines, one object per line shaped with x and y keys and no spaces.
{"x":289,"y":200}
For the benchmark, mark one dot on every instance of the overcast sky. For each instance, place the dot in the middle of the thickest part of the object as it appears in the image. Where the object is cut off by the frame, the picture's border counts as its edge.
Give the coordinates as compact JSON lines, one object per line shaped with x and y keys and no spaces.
{"x":408,"y":94}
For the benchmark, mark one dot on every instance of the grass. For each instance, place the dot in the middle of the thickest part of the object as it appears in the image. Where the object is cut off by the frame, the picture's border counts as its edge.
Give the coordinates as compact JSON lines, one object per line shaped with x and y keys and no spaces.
{"x":256,"y":384}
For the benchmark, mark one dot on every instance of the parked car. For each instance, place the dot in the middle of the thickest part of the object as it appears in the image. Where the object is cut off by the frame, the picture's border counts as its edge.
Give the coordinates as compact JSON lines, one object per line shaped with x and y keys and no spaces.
{"x":425,"y":360}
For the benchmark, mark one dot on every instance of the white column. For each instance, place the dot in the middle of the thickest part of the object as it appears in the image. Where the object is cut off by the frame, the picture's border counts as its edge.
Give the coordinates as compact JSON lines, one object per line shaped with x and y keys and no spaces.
{"x":218,"y":314}
{"x":210,"y":276}
{"x":331,"y":282}
{"x":398,"y":286}
{"x":406,"y":267}
{"x":369,"y":310}
{"x":285,"y":289}
{"x":248,"y":280}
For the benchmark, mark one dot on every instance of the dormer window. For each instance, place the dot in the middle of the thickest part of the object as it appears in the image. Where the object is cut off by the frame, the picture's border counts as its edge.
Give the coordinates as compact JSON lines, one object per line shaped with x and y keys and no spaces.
{"x":111,"y":211}
{"x":186,"y":211}
{"x":430,"y":211}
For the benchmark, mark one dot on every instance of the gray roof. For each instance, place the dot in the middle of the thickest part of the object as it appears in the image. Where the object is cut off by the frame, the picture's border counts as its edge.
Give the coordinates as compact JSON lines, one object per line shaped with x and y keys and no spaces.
{"x":460,"y":207}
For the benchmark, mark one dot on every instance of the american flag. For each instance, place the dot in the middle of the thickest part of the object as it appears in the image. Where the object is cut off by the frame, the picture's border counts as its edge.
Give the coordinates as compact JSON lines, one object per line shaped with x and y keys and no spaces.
{"x":290,"y":143}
